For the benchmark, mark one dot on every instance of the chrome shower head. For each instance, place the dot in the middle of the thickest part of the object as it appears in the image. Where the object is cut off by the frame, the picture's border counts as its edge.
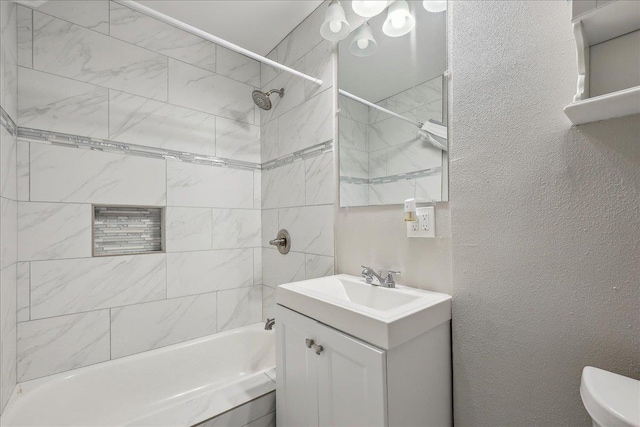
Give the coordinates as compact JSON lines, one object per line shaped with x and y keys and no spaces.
{"x":262,"y":100}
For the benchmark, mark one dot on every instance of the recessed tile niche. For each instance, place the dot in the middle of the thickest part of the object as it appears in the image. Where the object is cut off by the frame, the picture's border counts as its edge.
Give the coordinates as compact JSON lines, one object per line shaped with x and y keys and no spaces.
{"x":127,"y":230}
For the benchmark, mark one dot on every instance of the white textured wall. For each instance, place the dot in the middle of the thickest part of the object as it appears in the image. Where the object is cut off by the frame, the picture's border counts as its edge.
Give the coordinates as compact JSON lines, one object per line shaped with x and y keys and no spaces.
{"x":545,"y":222}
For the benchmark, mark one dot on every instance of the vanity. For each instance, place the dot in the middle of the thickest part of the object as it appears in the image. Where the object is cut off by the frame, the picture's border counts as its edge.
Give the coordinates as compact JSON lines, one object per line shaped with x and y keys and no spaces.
{"x":353,"y":354}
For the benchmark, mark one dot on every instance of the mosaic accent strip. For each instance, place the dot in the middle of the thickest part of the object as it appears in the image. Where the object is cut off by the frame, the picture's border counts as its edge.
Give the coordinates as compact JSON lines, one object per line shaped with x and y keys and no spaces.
{"x":315,"y":150}
{"x":392,"y":178}
{"x":125,"y":230}
{"x":7,"y":122}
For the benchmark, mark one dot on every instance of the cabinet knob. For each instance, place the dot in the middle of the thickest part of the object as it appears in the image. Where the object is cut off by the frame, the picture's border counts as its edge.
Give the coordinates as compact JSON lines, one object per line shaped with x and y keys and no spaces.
{"x":309,"y":342}
{"x":318,"y":348}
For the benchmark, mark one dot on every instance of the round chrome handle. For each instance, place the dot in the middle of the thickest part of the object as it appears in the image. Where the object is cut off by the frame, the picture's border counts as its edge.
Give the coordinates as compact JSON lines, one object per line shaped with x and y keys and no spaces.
{"x":309,"y":342}
{"x":318,"y":348}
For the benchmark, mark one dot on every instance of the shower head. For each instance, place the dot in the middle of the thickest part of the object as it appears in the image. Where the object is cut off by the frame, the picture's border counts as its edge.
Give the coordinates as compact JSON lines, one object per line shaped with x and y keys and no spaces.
{"x":262,"y":100}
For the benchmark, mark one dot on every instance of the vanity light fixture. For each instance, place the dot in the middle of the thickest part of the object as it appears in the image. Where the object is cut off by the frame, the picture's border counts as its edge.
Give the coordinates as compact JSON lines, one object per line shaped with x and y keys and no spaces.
{"x":368,"y":8}
{"x":399,"y":20}
{"x":363,"y":43}
{"x":435,"y":6}
{"x":335,"y":26}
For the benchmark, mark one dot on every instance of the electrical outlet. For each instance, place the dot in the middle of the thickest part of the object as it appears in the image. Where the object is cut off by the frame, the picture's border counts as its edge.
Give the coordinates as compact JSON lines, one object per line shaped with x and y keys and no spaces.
{"x":425,"y":224}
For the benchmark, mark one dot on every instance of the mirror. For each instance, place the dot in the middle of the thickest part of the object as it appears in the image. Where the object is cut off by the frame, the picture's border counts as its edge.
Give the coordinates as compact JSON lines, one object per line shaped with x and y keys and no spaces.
{"x":386,"y":100}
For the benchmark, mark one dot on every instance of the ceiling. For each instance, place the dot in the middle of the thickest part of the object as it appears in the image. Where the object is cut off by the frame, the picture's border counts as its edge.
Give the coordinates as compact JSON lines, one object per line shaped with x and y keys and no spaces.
{"x":257,"y":25}
{"x":400,"y":62}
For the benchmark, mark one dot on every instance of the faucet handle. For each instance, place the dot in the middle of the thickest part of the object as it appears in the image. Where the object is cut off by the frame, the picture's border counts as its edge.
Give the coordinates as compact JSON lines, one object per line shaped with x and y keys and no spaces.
{"x":392,"y":272}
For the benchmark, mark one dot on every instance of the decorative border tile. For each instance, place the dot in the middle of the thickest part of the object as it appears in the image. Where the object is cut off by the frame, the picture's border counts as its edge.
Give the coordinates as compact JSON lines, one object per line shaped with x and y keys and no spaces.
{"x":392,"y":178}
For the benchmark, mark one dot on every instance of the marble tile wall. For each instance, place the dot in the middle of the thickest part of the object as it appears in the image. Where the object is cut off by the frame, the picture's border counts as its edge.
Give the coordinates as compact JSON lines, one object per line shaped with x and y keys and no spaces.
{"x":298,"y":196}
{"x":8,"y":199}
{"x":98,"y":69}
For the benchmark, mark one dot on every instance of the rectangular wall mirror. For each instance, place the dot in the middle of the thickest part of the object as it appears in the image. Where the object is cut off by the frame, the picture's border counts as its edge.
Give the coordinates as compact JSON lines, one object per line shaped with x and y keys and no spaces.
{"x":393,"y":108}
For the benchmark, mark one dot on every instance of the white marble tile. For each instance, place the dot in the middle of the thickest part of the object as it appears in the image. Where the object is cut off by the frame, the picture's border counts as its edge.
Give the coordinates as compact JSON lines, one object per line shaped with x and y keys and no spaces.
{"x":278,"y":269}
{"x":236,"y":228}
{"x":237,"y":67}
{"x":432,"y":111}
{"x":9,"y":80}
{"x":415,"y":97}
{"x":8,"y":232}
{"x":201,"y":90}
{"x":53,"y":231}
{"x":376,"y":115}
{"x":391,"y":193}
{"x":354,"y":163}
{"x":318,"y":266}
{"x":25,"y":36}
{"x":303,"y":38}
{"x":8,"y":332}
{"x":269,"y":141}
{"x":257,"y":266}
{"x":310,"y":227}
{"x":144,"y":327}
{"x":283,"y":186}
{"x":50,"y":346}
{"x":58,"y":104}
{"x":188,"y":229}
{"x":239,"y":307}
{"x":268,"y":303}
{"x":429,"y":188}
{"x":191,"y":273}
{"x":137,"y":120}
{"x":353,"y":110}
{"x":8,"y":165}
{"x":22,"y":171}
{"x":244,"y":415}
{"x":147,"y":32}
{"x":268,"y":73}
{"x":93,"y":14}
{"x":195,"y":185}
{"x":8,"y":26}
{"x":237,"y":140}
{"x":378,"y":163}
{"x":354,"y":194}
{"x":318,"y":62}
{"x":413,"y":156}
{"x":319,"y":180}
{"x":69,"y":50}
{"x":23,"y":291}
{"x":294,"y":94}
{"x":309,"y":124}
{"x":353,"y":134}
{"x":257,"y":189}
{"x":391,"y":132}
{"x":268,"y":420}
{"x":76,"y":285}
{"x":60,"y":174}
{"x":269,"y":226}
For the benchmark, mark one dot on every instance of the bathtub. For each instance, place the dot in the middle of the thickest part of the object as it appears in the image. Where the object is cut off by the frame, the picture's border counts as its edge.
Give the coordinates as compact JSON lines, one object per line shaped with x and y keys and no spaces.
{"x":178,"y":385}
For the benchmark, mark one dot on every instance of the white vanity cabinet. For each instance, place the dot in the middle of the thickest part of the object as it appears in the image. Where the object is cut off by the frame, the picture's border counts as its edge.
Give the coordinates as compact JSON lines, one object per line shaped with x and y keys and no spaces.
{"x":327,"y":378}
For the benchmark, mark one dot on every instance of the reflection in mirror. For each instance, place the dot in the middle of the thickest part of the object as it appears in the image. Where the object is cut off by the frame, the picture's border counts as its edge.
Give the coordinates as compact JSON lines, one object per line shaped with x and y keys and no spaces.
{"x":392,"y":119}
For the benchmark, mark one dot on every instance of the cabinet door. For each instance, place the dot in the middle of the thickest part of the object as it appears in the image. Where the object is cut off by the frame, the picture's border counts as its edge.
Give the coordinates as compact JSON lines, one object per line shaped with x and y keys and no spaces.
{"x":351,"y":381}
{"x":296,"y":386}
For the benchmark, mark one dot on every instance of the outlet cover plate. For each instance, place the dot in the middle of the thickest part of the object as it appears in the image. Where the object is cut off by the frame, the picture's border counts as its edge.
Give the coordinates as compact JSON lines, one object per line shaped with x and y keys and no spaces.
{"x":425,"y":226}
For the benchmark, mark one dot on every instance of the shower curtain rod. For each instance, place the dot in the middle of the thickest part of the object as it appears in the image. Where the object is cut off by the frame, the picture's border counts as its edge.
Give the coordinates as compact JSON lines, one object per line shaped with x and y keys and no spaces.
{"x":377,"y":107}
{"x":217,"y":40}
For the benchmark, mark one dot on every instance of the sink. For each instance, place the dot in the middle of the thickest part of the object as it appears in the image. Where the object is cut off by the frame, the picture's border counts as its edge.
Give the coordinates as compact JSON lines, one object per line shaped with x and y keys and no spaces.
{"x":383,"y":317}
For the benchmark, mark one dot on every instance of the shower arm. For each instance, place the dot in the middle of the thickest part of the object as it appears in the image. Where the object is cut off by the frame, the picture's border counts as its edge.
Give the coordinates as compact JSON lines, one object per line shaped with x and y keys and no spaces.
{"x":210,"y":37}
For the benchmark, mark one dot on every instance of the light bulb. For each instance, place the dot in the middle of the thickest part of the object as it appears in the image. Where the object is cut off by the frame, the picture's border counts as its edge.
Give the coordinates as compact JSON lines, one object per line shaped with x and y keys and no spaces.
{"x":398,"y":21}
{"x":435,"y":6}
{"x":335,"y":26}
{"x":363,"y":43}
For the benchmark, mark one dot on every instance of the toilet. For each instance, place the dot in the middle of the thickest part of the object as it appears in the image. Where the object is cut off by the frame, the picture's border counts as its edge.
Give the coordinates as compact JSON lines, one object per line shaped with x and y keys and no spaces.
{"x":611,"y":400}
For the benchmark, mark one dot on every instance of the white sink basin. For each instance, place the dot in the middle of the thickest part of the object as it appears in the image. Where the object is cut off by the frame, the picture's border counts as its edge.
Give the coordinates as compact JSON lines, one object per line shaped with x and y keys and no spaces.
{"x":384,"y":317}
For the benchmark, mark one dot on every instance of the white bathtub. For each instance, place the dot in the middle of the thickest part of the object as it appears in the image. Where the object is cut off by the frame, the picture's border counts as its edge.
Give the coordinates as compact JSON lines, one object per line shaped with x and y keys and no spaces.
{"x":179,"y":385}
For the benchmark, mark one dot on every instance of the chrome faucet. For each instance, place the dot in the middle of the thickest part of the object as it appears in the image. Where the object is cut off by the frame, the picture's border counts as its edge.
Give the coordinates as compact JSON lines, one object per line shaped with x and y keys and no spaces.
{"x":268,"y":325}
{"x":369,"y":276}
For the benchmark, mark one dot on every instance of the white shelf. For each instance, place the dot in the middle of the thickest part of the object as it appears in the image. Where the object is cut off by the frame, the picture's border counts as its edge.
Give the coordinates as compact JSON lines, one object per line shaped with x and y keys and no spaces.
{"x":609,"y":21}
{"x":617,"y":104}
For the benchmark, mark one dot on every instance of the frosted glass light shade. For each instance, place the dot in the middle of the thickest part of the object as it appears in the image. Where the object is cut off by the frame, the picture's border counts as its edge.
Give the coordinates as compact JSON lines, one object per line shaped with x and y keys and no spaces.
{"x":368,"y":8}
{"x":399,"y":20}
{"x":335,"y":26}
{"x":363,"y":43}
{"x":435,"y":6}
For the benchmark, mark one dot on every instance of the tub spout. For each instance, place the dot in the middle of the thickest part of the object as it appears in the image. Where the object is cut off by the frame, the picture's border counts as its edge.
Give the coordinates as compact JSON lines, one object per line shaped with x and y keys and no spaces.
{"x":268,"y":325}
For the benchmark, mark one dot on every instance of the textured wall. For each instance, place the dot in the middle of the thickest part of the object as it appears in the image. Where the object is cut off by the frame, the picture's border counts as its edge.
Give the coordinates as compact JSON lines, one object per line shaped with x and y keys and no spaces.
{"x":99,"y":69}
{"x":298,"y":195}
{"x":8,"y":197}
{"x":545,"y":222}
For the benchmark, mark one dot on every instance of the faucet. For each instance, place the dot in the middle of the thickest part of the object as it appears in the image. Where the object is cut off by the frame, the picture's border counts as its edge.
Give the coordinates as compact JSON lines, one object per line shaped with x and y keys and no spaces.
{"x":268,"y":325}
{"x":369,"y":276}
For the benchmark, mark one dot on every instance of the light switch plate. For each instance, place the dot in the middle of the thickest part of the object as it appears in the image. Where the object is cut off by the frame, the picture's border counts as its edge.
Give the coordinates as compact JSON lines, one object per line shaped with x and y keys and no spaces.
{"x":425,"y":226}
